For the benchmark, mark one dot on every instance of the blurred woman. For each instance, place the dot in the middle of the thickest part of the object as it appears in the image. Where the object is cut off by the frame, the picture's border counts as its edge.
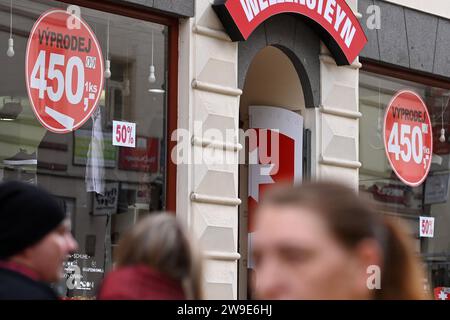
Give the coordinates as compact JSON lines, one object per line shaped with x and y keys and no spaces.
{"x":321,"y":241}
{"x":155,"y":261}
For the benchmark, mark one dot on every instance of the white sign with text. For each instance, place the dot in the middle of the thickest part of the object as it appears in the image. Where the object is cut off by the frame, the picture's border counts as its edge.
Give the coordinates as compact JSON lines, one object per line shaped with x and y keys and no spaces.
{"x":124,"y":134}
{"x":426,"y":227}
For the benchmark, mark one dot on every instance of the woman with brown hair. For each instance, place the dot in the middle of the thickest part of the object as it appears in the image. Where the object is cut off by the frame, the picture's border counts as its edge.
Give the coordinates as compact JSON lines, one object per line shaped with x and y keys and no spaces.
{"x":156,"y":261}
{"x":321,"y":241}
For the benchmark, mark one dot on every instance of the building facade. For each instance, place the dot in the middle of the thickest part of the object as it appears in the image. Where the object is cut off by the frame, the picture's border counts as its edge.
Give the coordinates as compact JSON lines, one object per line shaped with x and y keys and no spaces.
{"x":178,"y":73}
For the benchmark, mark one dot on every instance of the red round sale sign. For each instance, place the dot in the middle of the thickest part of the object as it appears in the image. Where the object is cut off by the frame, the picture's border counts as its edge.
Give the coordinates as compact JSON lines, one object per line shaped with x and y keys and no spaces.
{"x":64,"y":71}
{"x":408,"y":137}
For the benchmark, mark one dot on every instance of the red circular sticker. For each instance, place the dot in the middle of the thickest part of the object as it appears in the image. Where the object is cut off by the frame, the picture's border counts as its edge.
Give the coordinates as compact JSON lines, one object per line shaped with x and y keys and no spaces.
{"x":63,"y":70}
{"x":408,"y":137}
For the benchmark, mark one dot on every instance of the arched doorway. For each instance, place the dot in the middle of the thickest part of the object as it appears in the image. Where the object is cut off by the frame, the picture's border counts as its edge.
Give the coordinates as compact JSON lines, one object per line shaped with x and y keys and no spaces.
{"x":273,"y":80}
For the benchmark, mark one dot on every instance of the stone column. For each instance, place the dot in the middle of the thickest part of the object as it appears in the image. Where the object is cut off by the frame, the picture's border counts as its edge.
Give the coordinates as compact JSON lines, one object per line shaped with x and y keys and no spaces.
{"x":338,"y":133}
{"x":207,"y":190}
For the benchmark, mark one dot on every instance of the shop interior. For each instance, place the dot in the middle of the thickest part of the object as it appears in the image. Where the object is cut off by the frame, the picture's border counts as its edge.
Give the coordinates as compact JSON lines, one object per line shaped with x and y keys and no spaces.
{"x":104,"y":188}
{"x":379,"y":183}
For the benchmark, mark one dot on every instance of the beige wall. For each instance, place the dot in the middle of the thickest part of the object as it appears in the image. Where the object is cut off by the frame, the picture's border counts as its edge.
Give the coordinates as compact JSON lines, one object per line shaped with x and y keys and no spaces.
{"x":207,"y":199}
{"x":273,"y":81}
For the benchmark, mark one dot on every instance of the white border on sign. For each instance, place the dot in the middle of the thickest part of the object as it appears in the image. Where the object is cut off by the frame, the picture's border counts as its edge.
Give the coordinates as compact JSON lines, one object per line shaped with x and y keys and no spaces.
{"x":117,"y":123}
{"x":33,"y":30}
{"x":411,"y":184}
{"x":425,"y":235}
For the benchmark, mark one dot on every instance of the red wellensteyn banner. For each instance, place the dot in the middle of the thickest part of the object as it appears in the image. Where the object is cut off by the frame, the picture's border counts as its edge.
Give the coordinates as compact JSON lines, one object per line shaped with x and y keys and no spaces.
{"x":335,"y":20}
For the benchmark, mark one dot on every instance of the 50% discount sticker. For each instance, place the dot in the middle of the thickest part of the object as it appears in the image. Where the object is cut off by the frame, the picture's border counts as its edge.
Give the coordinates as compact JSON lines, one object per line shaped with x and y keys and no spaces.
{"x":124,"y":134}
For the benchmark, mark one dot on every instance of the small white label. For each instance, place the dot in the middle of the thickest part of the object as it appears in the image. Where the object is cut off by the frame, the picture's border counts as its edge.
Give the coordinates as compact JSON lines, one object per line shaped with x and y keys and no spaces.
{"x":124,"y":134}
{"x":426,"y":227}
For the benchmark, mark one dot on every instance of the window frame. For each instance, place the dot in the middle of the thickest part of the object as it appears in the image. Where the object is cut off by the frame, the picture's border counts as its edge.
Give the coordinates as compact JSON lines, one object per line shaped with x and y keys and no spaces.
{"x":423,"y":78}
{"x":171,"y":125}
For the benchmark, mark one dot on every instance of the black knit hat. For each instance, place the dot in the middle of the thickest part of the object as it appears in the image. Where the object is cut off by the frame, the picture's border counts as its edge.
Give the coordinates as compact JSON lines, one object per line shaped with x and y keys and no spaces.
{"x":27,"y":214}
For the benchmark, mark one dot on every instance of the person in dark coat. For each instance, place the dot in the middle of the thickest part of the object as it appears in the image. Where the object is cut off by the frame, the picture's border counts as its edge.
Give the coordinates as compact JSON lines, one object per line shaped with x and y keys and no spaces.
{"x":35,"y":240}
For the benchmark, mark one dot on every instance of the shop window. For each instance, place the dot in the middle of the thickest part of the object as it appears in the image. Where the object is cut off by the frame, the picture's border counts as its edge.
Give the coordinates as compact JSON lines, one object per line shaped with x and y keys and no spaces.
{"x":378,"y":182}
{"x":104,"y":188}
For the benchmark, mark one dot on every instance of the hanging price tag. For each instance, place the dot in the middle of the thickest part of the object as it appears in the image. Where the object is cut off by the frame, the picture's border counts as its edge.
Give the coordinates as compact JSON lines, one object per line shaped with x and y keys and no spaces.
{"x":408,"y":137}
{"x":124,"y":134}
{"x":64,"y":71}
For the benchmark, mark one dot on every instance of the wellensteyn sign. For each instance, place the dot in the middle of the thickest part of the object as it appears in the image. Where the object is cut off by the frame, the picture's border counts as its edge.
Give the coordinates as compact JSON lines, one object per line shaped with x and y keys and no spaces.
{"x":333,"y":19}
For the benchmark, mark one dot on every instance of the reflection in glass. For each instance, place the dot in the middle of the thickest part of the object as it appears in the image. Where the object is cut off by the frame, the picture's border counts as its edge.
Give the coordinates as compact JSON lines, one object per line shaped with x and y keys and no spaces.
{"x":104,"y":188}
{"x":379,"y":183}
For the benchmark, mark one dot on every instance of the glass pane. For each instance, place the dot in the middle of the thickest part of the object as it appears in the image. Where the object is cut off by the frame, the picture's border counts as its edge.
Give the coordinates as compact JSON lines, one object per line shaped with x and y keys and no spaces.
{"x":104,"y":188}
{"x":379,"y":183}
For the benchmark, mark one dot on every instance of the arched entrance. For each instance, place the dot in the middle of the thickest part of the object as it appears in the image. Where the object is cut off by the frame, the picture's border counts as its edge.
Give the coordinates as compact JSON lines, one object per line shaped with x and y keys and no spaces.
{"x":271,"y":80}
{"x":279,"y":68}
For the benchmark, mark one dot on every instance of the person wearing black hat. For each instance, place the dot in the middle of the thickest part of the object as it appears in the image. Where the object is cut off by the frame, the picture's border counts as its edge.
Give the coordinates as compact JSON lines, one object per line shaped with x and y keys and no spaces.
{"x":35,"y":240}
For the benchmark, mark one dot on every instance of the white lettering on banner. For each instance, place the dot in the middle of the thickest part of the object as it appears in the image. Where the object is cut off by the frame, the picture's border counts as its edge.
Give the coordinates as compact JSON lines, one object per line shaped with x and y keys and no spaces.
{"x":348,"y":32}
{"x":251,"y":8}
{"x":340,"y":15}
{"x":320,"y":7}
{"x":329,"y":10}
{"x":263,"y":4}
{"x":311,"y":4}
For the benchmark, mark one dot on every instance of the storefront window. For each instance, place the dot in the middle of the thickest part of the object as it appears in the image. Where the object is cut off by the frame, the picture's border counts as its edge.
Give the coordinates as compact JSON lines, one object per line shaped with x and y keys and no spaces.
{"x":104,"y":188}
{"x":393,"y":197}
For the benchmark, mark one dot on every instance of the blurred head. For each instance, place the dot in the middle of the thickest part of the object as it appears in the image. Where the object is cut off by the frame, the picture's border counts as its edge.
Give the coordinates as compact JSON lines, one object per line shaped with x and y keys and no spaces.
{"x":47,"y":256}
{"x":320,"y":241}
{"x":34,"y":230}
{"x":161,"y":243}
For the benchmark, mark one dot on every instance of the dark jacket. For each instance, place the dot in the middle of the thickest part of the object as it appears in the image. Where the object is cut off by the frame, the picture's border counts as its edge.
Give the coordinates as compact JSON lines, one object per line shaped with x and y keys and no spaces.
{"x":17,"y":286}
{"x":139,"y":283}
